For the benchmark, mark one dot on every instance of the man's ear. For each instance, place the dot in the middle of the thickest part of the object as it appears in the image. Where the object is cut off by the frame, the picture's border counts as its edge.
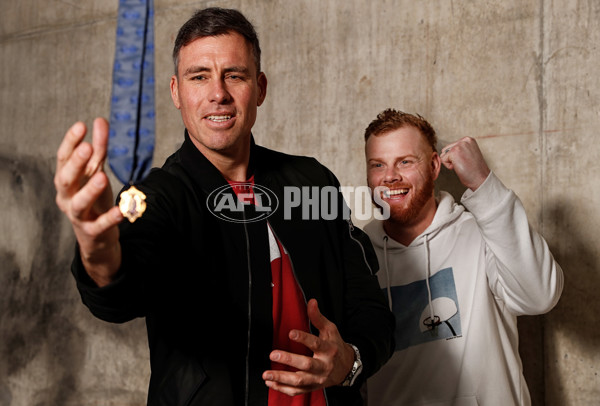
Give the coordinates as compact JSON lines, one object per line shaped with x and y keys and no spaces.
{"x":175,"y":91}
{"x":436,"y":165}
{"x":262,"y":88}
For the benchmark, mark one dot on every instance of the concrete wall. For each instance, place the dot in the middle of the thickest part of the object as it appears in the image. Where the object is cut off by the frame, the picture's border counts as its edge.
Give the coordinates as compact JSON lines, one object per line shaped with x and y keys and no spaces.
{"x":518,"y":75}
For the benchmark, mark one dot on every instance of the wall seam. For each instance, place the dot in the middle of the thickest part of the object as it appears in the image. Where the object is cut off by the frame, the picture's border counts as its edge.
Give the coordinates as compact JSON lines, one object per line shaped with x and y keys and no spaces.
{"x":542,"y":171}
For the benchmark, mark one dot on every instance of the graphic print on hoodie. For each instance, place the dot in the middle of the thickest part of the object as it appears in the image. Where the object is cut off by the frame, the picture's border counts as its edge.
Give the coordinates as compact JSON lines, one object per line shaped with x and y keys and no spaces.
{"x":411,"y":306}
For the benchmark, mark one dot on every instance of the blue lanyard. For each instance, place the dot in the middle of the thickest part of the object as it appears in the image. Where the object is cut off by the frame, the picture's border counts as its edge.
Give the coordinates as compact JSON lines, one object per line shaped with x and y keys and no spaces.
{"x":131,"y":137}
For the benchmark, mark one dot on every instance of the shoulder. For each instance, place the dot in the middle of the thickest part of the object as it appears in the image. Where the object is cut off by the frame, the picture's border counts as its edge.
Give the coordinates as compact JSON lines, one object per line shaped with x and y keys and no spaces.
{"x":448,"y":211}
{"x":169,"y":177}
{"x":283,"y":160}
{"x":293,"y":168}
{"x":168,"y":183}
{"x":451,"y":218}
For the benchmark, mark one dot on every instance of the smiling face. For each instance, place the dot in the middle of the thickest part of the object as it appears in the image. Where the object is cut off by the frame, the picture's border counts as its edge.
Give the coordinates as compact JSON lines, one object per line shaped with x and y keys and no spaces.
{"x":404,"y":162}
{"x":218,"y":90}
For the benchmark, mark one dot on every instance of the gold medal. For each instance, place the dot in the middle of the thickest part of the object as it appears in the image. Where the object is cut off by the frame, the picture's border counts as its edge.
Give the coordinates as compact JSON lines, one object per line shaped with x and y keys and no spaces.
{"x":132,"y":204}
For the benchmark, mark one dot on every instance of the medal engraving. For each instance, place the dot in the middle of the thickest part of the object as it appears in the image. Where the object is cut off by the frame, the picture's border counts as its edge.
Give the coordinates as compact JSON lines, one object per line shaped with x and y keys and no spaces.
{"x":132,"y":204}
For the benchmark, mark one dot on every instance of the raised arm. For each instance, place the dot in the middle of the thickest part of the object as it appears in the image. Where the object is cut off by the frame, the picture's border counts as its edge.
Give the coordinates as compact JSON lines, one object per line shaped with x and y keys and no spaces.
{"x":521,"y":269}
{"x":84,"y":194}
{"x":465,"y":158}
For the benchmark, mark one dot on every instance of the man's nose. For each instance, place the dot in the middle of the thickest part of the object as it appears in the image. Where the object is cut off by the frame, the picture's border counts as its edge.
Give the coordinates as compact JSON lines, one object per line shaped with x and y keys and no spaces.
{"x":392,"y":174}
{"x":218,"y":92}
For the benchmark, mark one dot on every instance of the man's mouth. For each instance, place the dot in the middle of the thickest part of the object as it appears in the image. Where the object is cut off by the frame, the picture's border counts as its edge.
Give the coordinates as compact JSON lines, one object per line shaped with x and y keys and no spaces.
{"x":218,"y":118}
{"x":391,"y":193}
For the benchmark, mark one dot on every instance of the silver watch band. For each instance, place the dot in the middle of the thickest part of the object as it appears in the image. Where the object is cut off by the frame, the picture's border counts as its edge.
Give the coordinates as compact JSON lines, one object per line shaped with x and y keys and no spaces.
{"x":356,"y":368}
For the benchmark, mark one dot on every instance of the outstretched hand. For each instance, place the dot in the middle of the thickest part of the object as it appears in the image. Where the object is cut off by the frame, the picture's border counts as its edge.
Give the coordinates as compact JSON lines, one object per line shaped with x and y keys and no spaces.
{"x":465,"y":158}
{"x":84,"y":194}
{"x":331,"y":361}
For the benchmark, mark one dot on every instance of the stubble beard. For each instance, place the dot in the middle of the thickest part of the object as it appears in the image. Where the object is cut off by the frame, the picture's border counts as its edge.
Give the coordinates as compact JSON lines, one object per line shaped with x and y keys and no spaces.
{"x":404,"y":216}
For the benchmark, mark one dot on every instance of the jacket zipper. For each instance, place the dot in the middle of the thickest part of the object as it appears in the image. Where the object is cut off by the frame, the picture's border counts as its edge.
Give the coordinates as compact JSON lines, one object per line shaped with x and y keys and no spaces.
{"x":350,"y":229}
{"x":246,"y":400}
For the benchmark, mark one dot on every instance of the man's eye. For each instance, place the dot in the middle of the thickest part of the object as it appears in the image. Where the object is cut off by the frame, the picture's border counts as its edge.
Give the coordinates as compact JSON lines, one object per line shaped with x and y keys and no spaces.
{"x":199,"y":77}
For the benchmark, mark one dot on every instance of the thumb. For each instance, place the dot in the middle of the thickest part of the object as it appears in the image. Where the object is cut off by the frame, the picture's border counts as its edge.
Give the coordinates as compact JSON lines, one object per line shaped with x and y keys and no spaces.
{"x":448,"y":164}
{"x":446,"y":160}
{"x":315,"y":316}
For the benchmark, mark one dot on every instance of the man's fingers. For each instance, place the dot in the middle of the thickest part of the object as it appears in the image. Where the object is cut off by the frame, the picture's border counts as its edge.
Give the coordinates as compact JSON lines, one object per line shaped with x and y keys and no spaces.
{"x":100,"y":145}
{"x":78,"y":161}
{"x":68,"y":178}
{"x":300,"y":362}
{"x":315,"y":316}
{"x":310,"y":341}
{"x":445,"y":152}
{"x":72,"y":139}
{"x":296,"y":382}
{"x":465,"y":158}
{"x":446,"y":160}
{"x":287,"y":389}
{"x":92,"y":217}
{"x":106,"y":221}
{"x":310,"y":372}
{"x":84,"y":199}
{"x":91,"y":231}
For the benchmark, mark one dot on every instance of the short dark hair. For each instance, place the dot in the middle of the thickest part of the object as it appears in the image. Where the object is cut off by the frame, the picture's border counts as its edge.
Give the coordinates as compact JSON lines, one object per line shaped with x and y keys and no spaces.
{"x":390,"y":120}
{"x":214,"y":21}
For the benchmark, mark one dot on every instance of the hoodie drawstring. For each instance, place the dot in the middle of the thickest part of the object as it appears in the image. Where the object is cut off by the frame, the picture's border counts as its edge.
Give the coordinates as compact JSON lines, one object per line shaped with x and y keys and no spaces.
{"x":387,"y":272}
{"x":428,"y":274}
{"x":432,"y":321}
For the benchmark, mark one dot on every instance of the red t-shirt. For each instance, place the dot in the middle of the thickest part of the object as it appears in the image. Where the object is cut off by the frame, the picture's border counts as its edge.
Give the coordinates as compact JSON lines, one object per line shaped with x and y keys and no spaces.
{"x":289,"y":312}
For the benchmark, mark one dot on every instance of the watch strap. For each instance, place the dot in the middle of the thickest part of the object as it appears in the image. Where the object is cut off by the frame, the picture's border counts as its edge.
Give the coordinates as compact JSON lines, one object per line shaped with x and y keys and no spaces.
{"x":356,"y":368}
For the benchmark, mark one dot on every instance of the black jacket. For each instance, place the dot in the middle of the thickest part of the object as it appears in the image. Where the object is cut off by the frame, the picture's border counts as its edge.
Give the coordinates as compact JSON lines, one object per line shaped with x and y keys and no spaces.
{"x":203,"y":283}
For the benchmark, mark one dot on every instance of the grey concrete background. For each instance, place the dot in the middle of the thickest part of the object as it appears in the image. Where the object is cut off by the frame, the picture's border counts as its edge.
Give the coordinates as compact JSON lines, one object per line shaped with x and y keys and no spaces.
{"x":518,"y":75}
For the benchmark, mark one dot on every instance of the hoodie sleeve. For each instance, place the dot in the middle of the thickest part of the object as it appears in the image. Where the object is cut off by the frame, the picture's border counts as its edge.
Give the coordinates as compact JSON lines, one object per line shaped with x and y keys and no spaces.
{"x":520,"y":267}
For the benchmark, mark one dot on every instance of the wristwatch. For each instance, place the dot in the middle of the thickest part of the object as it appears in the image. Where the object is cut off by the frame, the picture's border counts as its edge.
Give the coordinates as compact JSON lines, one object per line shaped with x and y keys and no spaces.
{"x":356,"y":368}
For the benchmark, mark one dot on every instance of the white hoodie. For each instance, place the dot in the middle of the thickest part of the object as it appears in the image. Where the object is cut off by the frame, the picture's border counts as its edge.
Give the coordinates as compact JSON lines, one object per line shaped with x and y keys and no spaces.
{"x":475,"y":271}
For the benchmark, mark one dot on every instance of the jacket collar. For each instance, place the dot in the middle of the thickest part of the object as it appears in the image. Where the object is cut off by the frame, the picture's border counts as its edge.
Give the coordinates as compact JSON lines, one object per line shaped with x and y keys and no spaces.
{"x":204,"y":173}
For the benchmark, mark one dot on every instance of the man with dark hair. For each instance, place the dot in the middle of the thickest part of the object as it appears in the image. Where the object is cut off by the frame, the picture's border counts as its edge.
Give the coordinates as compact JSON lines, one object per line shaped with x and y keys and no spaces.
{"x":455,"y":280}
{"x":212,"y":22}
{"x":247,"y":310}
